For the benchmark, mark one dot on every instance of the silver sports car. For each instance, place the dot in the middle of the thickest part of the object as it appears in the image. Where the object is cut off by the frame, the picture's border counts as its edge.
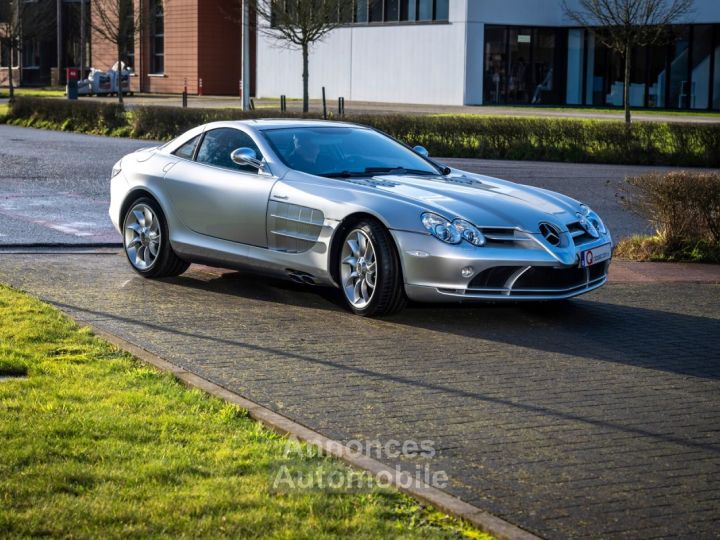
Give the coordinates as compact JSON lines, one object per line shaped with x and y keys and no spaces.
{"x":331,"y":203}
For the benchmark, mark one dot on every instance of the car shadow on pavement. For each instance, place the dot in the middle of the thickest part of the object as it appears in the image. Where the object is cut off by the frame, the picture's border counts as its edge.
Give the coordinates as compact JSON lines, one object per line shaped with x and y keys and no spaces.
{"x":593,"y":329}
{"x":614,"y":332}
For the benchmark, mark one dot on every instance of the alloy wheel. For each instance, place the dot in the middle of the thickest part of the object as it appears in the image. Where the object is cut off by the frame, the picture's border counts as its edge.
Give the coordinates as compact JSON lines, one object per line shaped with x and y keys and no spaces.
{"x":358,"y":270}
{"x":142,"y":236}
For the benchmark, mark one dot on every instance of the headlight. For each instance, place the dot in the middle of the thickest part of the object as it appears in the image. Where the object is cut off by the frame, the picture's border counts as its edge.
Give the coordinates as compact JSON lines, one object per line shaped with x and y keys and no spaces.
{"x":116,"y":169}
{"x":452,"y":232}
{"x":587,"y":214}
{"x":441,"y":228}
{"x":469,"y":232}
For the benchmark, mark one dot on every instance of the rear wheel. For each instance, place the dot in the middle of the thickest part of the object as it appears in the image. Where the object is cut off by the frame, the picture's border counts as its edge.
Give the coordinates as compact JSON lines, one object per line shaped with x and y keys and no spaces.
{"x":147,"y":242}
{"x":370,"y":274}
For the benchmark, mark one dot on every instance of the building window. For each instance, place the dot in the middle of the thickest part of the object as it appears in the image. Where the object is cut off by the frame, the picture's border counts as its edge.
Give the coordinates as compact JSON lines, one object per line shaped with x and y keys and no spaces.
{"x":520,"y":65}
{"x":715,"y":83}
{"x":376,"y":11}
{"x":31,"y":54}
{"x":425,"y":10}
{"x":129,"y":46}
{"x":361,"y":11}
{"x":677,"y":73}
{"x":393,"y":11}
{"x":157,"y":37}
{"x":5,"y":57}
{"x":702,"y":49}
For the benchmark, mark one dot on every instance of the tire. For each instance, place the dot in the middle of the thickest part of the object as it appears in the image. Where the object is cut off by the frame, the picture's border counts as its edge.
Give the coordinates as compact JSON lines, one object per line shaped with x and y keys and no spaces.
{"x":369,"y":270}
{"x":147,"y":243}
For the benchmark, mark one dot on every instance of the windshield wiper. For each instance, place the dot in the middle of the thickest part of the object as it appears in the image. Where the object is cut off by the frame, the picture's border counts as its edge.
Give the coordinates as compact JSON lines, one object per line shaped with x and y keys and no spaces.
{"x":400,"y":170}
{"x":342,"y":174}
{"x":369,"y":171}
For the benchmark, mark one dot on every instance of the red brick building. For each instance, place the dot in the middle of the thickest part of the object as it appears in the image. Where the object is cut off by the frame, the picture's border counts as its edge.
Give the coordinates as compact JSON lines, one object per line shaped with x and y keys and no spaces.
{"x":183,"y":40}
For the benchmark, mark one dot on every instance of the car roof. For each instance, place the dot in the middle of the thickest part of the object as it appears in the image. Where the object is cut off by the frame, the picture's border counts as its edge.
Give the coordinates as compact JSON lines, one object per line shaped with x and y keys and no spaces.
{"x":261,"y":124}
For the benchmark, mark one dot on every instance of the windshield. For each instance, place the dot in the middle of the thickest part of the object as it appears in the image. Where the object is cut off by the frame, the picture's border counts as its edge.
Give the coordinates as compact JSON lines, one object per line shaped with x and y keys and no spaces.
{"x":344,"y":152}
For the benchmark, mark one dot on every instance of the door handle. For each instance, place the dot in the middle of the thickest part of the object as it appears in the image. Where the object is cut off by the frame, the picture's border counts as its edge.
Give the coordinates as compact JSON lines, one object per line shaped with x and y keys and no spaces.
{"x":281,"y":197}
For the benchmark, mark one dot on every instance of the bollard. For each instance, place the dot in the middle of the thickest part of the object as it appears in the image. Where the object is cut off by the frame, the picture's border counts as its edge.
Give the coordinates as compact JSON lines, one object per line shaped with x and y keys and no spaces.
{"x":283,"y":103}
{"x":184,"y":95}
{"x":200,"y":90}
{"x":252,"y":104}
{"x":341,"y":106}
{"x":324,"y":104}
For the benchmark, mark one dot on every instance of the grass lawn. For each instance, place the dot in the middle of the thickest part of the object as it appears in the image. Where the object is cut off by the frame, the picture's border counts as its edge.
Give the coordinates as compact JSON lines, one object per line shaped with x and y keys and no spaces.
{"x":96,"y":444}
{"x":606,"y":110}
{"x":47,"y":91}
{"x":655,"y":248}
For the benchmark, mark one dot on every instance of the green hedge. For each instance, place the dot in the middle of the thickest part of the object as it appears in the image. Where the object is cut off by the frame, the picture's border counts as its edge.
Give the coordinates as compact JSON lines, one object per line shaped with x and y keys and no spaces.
{"x":543,"y":139}
{"x":86,"y":117}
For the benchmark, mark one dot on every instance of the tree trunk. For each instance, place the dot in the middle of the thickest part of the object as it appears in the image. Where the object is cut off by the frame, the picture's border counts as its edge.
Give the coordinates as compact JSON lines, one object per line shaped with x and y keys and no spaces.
{"x":626,"y":89}
{"x":11,"y":86}
{"x":119,"y":74}
{"x":305,"y":76}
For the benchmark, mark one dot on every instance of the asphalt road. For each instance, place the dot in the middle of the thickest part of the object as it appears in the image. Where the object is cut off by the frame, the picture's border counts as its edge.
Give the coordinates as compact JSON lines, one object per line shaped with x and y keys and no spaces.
{"x":54,"y":185}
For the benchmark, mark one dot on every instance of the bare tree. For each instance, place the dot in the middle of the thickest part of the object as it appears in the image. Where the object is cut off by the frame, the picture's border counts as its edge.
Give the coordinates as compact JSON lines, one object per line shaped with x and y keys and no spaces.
{"x":300,"y":23}
{"x":118,"y":22}
{"x":624,"y":24}
{"x":20,"y":23}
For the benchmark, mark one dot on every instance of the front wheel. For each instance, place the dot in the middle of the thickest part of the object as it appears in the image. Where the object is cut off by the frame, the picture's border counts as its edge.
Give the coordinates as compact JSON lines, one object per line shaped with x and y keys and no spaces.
{"x":370,"y":274}
{"x":147,"y":242}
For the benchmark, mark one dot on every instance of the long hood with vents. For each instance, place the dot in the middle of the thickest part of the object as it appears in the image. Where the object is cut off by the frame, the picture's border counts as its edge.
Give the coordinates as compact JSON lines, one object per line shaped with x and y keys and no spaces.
{"x":482,"y":200}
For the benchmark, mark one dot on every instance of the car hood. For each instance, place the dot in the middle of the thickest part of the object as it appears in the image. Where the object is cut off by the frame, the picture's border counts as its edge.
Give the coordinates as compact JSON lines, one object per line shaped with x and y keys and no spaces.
{"x":482,"y":200}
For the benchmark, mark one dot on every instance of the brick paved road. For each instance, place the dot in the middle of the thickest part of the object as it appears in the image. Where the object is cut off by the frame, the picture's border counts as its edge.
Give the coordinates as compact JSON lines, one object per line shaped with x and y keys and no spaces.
{"x":596,"y":418}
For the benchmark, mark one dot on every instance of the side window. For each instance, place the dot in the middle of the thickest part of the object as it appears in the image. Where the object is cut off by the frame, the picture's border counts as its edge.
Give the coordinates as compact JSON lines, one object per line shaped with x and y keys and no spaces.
{"x":218,"y":144}
{"x":186,"y":150}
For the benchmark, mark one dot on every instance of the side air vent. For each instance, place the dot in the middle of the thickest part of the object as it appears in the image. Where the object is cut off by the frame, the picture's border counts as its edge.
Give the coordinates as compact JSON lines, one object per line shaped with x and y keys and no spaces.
{"x":293,"y":228}
{"x":551,"y":233}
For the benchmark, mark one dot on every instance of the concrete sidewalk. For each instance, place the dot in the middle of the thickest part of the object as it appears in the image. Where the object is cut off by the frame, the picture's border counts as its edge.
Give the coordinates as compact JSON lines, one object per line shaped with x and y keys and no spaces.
{"x":660,"y":272}
{"x":295,"y":105}
{"x":594,"y":418}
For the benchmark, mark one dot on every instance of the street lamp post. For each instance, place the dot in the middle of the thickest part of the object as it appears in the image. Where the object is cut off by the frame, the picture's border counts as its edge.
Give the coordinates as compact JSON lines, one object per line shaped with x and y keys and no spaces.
{"x":245,"y":68}
{"x":82,"y":39}
{"x":58,"y":5}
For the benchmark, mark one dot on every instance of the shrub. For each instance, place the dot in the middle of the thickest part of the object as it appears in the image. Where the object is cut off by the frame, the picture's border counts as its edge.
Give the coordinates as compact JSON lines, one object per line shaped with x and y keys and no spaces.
{"x":88,"y":117}
{"x":684,"y":208}
{"x":679,"y":204}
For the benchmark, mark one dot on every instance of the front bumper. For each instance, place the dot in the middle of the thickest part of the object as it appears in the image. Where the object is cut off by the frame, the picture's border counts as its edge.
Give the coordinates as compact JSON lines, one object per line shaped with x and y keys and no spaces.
{"x":118,"y":191}
{"x":433,"y":271}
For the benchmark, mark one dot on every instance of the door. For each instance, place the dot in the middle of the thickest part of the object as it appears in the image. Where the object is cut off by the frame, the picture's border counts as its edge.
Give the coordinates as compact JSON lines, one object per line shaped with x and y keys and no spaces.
{"x":216,"y":197}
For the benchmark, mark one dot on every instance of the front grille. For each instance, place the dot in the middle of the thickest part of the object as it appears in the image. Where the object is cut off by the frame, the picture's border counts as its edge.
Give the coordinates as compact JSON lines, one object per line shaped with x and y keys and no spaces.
{"x":545,"y":277}
{"x":551,"y":233}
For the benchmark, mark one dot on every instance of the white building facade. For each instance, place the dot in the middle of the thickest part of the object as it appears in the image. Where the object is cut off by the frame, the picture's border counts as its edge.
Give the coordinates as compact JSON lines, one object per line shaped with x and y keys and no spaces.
{"x":474,"y":52}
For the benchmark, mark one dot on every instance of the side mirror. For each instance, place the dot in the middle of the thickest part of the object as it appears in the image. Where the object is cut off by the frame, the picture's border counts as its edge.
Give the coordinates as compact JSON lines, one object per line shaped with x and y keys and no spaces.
{"x":246,"y":156}
{"x":421,"y":150}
